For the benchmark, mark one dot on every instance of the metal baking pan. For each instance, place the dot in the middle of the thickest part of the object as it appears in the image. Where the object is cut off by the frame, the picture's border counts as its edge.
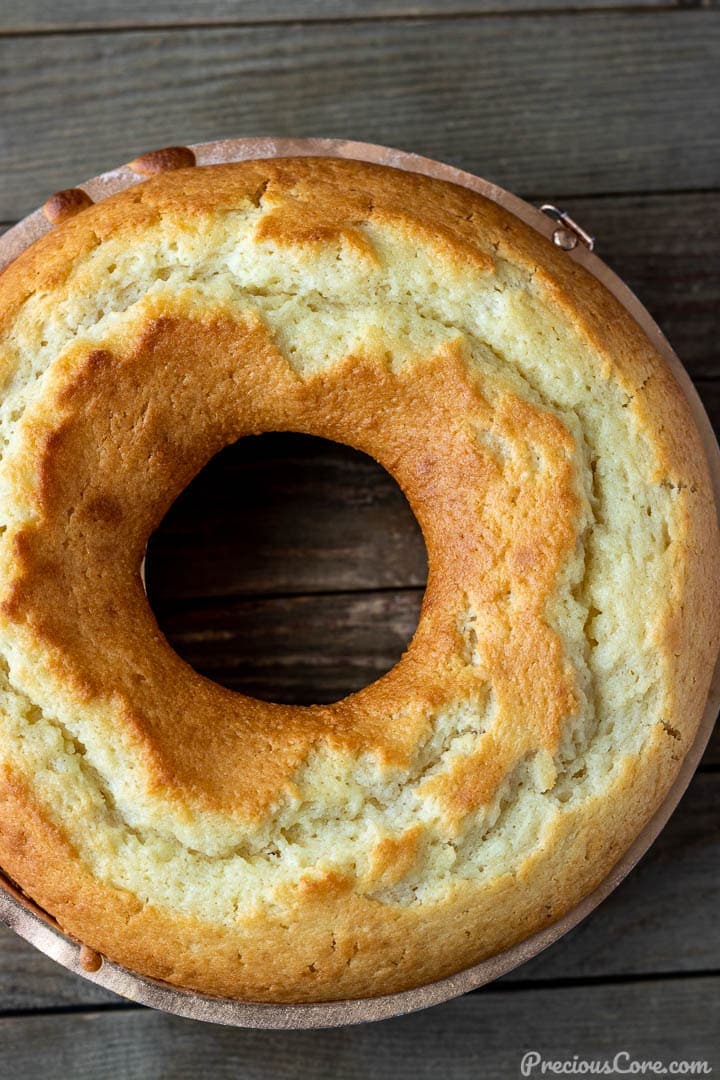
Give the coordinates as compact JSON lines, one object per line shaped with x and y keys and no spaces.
{"x":37,"y":927}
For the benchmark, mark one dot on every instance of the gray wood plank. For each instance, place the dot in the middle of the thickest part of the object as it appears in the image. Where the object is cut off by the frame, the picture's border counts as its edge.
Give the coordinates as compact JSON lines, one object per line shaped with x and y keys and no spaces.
{"x":667,"y":249}
{"x":481,"y":93}
{"x":709,"y":391}
{"x":34,"y":15}
{"x":30,"y":981}
{"x":661,"y":919}
{"x":286,"y":514}
{"x":301,"y":650}
{"x":480,"y":1035}
{"x":711,"y":758}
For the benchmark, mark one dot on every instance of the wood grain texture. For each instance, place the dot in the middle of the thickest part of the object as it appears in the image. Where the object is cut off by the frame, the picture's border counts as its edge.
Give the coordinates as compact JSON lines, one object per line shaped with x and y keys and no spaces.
{"x":667,"y":249}
{"x":567,"y":104}
{"x":661,"y":919}
{"x":31,"y":981}
{"x":286,"y":514}
{"x":35,"y":15}
{"x":301,"y":649}
{"x":480,"y":1035}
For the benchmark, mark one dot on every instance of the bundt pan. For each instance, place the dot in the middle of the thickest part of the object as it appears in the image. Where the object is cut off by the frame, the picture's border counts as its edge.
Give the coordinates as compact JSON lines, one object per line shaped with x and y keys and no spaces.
{"x":36,"y":926}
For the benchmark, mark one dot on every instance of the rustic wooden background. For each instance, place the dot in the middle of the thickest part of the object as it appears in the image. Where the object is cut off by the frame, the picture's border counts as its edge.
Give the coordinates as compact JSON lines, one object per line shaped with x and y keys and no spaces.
{"x":309,"y":584}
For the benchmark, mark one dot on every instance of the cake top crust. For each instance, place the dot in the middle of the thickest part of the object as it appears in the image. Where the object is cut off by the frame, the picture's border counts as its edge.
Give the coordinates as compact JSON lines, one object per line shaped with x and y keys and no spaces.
{"x":567,"y":635}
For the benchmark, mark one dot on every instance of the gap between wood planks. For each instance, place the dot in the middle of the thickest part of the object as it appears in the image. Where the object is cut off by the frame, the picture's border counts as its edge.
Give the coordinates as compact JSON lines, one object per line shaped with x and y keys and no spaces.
{"x":499,"y":986}
{"x":308,"y":15}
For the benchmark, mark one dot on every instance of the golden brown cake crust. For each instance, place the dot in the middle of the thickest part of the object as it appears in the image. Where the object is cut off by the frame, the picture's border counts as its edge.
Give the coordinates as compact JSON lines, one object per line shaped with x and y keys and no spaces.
{"x":495,"y":775}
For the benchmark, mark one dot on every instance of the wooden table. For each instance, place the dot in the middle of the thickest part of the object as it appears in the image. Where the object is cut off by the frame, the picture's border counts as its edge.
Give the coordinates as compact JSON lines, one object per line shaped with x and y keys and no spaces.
{"x":311,"y":585}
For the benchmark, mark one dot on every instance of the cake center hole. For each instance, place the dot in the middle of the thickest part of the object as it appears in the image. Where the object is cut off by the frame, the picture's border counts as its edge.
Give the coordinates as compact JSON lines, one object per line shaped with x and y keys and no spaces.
{"x":291,"y":569}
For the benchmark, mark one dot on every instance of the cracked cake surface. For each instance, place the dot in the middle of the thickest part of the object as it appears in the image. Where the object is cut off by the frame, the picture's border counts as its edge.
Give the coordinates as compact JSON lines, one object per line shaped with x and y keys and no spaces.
{"x":568,"y":632}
